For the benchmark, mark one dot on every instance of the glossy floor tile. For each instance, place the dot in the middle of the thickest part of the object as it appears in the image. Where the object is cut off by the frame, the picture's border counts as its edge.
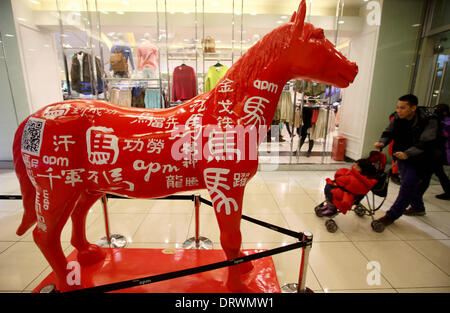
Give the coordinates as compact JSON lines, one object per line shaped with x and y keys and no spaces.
{"x":410,"y":256}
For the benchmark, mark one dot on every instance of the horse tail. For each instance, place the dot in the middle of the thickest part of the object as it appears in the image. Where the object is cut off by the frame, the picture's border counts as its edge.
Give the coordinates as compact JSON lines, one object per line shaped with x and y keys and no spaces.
{"x":26,"y":187}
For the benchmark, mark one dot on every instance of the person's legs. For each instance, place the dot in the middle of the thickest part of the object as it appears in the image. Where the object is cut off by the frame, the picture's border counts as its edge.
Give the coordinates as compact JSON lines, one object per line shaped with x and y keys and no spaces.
{"x":409,"y":192}
{"x":445,"y":182}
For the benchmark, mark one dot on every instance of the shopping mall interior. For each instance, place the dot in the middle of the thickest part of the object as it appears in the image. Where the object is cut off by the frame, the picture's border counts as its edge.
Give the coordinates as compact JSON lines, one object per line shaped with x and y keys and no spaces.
{"x":158,"y":55}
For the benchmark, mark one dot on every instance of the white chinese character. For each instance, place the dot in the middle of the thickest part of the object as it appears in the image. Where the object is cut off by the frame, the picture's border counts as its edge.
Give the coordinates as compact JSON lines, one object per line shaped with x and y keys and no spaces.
{"x":93,"y":176}
{"x":72,"y":176}
{"x":50,"y":176}
{"x":225,"y":86}
{"x":132,"y":145}
{"x":254,"y":108}
{"x":172,"y":122}
{"x":215,"y":181}
{"x":222,"y":145}
{"x":155,"y":145}
{"x":191,"y":182}
{"x":240,"y":179}
{"x":174,"y":181}
{"x":226,"y":106}
{"x":62,"y":140}
{"x":198,"y":105}
{"x":102,"y":146}
{"x":225,"y":122}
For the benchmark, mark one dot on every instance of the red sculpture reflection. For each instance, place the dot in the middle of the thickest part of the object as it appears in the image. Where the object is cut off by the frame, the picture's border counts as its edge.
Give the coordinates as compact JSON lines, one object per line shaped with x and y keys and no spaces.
{"x":68,"y":154}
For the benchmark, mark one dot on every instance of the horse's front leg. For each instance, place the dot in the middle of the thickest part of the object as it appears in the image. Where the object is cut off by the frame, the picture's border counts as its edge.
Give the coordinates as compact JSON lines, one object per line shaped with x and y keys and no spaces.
{"x":227,"y":201}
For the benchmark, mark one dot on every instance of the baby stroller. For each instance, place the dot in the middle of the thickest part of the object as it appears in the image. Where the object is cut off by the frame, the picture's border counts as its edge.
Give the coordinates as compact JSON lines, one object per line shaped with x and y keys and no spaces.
{"x":378,"y":159}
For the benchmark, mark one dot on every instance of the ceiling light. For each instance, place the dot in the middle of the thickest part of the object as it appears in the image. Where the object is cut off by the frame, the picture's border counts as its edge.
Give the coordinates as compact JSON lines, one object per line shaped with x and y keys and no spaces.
{"x":215,"y":3}
{"x":252,"y":13}
{"x":21,"y":19}
{"x":280,"y":22}
{"x":9,"y":35}
{"x":34,"y":1}
{"x":238,"y":13}
{"x":416,"y":25}
{"x":341,"y":22}
{"x":172,"y":12}
{"x":283,"y":17}
{"x":120,"y":12}
{"x":125,"y":2}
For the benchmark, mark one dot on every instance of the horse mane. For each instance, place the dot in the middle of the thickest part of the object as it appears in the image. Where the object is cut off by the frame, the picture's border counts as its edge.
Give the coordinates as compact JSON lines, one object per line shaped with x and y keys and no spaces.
{"x":262,"y":54}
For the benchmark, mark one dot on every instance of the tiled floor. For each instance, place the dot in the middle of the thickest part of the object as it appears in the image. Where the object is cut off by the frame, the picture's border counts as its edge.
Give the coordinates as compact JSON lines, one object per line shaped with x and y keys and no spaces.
{"x":412,"y":255}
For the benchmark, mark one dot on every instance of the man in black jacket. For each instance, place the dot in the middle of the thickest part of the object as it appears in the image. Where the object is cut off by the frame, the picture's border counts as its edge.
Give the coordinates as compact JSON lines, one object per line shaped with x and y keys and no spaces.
{"x":414,"y":131}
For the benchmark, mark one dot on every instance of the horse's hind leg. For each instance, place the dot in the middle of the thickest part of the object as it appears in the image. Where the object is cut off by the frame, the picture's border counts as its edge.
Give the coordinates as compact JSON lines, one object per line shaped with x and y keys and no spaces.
{"x":87,"y":253}
{"x":53,"y":212}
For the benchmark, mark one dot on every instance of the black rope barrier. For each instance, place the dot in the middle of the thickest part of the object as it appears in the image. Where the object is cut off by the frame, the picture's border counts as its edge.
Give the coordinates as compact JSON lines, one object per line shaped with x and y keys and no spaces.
{"x":200,"y":269}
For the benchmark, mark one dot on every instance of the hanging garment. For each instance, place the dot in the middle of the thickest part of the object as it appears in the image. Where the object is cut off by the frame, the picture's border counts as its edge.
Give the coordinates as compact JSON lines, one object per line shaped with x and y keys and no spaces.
{"x":286,"y":107}
{"x":184,"y":86}
{"x":121,"y":97}
{"x":312,"y":89}
{"x":209,"y":45}
{"x":319,"y":129}
{"x":215,"y":73}
{"x":147,"y":57}
{"x":153,"y":99}
{"x":126,"y":51}
{"x":138,"y":97}
{"x":81,"y":72}
{"x":315,"y":116}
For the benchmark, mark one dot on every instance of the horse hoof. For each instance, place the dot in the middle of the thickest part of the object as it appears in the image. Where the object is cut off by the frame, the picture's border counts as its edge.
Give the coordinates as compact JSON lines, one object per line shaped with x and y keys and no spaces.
{"x":91,"y":255}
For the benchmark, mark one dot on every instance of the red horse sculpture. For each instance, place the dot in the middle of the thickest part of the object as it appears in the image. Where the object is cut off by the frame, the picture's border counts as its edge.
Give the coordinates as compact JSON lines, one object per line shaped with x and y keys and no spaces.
{"x":69,"y":154}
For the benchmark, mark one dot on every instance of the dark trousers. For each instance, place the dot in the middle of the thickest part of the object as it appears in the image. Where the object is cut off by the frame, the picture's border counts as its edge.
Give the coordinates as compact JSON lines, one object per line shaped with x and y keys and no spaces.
{"x":412,"y":188}
{"x":443,"y":179}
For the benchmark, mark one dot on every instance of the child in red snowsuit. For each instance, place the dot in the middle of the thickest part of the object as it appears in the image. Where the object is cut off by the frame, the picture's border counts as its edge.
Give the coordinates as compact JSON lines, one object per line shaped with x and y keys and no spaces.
{"x":340,"y":193}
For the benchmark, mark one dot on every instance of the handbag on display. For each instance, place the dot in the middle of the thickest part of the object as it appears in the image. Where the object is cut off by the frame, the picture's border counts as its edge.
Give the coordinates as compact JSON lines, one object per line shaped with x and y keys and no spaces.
{"x":209,"y":45}
{"x":118,"y":61}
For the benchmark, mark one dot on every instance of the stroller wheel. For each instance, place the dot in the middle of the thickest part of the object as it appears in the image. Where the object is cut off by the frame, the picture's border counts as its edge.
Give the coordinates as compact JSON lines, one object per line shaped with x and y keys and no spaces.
{"x":359,"y":210}
{"x":331,"y":226}
{"x":377,"y":226}
{"x":317,"y":209}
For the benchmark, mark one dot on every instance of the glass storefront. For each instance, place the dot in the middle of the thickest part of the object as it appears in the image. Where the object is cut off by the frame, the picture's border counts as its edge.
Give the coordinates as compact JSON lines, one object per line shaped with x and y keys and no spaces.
{"x":76,"y":46}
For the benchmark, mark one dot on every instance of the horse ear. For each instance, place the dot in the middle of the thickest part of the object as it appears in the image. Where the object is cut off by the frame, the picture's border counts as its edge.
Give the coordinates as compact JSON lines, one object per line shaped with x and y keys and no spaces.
{"x":293,"y":17}
{"x":300,"y":17}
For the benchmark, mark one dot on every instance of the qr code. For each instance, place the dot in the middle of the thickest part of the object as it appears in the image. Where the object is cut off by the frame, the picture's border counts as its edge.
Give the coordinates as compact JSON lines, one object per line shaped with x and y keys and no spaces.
{"x":32,"y":136}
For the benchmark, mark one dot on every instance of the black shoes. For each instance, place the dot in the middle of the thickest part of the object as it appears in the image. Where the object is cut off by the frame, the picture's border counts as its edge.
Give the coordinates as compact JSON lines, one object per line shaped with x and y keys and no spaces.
{"x":411,"y":212}
{"x":385,"y":220}
{"x":444,"y":196}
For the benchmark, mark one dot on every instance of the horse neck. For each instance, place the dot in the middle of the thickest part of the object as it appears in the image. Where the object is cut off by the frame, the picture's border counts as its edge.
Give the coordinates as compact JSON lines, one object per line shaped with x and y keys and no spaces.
{"x":265,"y":85}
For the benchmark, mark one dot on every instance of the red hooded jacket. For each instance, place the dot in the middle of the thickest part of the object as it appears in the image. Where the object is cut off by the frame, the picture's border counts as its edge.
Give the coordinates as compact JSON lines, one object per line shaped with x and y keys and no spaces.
{"x":354,"y":184}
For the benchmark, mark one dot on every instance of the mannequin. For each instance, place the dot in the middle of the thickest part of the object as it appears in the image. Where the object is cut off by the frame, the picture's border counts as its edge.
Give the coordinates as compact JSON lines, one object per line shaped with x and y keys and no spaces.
{"x":121,"y":46}
{"x":147,"y":55}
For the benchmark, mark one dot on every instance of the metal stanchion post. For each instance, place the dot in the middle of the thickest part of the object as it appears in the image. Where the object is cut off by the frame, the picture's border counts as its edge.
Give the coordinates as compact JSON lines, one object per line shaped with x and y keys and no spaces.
{"x":300,"y":286}
{"x":197,"y":242}
{"x":114,"y":240}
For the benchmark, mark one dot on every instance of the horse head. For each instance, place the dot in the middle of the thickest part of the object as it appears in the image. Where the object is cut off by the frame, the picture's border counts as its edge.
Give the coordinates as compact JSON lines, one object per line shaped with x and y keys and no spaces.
{"x":313,"y":57}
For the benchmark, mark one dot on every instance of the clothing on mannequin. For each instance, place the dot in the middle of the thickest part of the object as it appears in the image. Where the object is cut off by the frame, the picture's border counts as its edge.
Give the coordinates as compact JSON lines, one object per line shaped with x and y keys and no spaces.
{"x":82,"y":75}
